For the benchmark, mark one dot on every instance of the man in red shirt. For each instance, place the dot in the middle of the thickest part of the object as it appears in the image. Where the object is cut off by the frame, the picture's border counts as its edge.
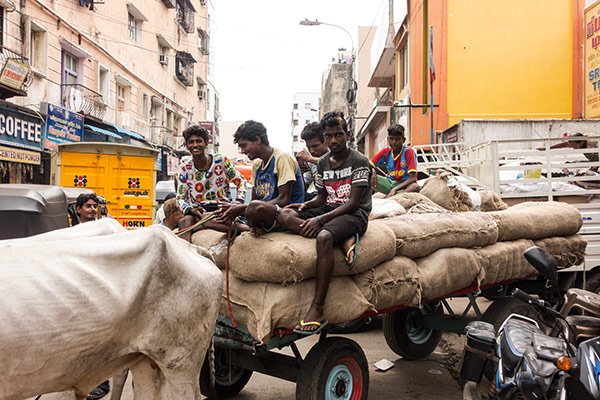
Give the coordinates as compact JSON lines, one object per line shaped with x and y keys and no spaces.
{"x":396,"y":165}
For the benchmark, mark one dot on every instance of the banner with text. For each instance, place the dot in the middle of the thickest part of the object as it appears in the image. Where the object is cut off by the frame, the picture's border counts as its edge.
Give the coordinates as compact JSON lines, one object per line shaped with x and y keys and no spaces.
{"x":62,"y":126}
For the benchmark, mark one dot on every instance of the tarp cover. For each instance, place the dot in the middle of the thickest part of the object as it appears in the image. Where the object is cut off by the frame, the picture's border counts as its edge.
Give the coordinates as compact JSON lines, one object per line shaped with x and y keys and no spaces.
{"x":75,"y":310}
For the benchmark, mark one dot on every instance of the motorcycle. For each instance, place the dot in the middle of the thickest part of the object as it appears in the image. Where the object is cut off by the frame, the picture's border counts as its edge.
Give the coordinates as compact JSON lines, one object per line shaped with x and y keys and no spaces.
{"x":531,"y":364}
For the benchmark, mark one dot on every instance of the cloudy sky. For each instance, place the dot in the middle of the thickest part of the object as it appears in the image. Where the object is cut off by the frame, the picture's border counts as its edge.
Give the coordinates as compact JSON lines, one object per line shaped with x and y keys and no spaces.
{"x":261,"y":55}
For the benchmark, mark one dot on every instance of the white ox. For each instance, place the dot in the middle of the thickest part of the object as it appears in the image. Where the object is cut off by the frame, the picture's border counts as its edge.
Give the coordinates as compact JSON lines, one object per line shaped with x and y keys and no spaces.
{"x":81,"y":304}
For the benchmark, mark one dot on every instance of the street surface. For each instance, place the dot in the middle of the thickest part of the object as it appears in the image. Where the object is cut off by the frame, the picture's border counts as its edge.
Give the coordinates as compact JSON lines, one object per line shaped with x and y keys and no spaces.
{"x":434,"y":378}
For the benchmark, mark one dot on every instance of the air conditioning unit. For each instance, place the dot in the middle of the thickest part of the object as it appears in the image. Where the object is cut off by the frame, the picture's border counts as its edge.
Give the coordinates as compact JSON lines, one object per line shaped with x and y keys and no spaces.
{"x":201,"y":94}
{"x":163,"y":59}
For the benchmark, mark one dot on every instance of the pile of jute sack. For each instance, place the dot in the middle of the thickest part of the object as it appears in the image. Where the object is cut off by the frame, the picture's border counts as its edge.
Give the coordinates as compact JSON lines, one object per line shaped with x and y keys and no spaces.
{"x":430,"y":251}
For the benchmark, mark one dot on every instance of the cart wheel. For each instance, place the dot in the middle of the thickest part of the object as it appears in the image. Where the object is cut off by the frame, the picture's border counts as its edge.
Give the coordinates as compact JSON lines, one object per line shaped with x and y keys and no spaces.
{"x":497,"y":313}
{"x":334,"y":369}
{"x":406,"y":336}
{"x":229,"y":380}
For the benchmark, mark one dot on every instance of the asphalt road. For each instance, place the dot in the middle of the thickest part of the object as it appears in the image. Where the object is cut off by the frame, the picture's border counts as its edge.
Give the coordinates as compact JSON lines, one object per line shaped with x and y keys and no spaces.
{"x":436,"y":377}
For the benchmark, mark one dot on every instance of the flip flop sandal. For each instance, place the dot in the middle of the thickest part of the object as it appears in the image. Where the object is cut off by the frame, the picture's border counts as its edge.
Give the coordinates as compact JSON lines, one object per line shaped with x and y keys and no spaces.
{"x":319,"y":325}
{"x":353,"y":249}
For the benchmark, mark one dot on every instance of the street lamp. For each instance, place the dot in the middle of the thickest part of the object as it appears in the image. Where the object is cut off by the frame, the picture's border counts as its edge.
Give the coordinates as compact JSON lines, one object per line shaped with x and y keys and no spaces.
{"x":352,"y":86}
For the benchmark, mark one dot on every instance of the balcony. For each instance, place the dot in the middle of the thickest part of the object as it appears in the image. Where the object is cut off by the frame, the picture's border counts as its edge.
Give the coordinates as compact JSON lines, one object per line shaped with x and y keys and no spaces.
{"x":184,"y":68}
{"x":15,"y":73}
{"x":169,"y":3}
{"x":184,"y":12}
{"x":83,"y":100}
{"x":163,"y":136}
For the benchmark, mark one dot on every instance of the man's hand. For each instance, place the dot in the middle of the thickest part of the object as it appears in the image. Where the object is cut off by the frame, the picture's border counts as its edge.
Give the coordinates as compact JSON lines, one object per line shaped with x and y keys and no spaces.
{"x":304,"y":155}
{"x":228,"y":213}
{"x":197,"y":212}
{"x":297,"y":206}
{"x":392,"y":192}
{"x":310,"y":227}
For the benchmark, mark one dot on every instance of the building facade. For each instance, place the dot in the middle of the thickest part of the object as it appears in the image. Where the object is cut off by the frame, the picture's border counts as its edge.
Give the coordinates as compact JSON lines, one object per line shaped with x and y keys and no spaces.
{"x":304,"y":111}
{"x":491,"y":60}
{"x":134,"y":71}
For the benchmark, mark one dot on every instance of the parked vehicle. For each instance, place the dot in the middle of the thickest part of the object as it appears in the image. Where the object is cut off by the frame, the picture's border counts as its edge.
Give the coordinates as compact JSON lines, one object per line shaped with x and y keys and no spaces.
{"x":530,"y":363}
{"x":124,"y":175}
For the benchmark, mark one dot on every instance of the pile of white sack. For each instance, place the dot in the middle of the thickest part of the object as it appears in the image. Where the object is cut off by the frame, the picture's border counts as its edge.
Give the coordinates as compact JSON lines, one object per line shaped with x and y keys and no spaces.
{"x":423,"y":253}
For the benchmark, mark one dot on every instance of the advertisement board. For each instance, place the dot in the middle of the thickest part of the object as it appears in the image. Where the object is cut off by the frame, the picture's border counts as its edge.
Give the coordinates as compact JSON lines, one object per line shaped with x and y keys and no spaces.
{"x":62,"y":126}
{"x":20,"y":129}
{"x":592,"y":61}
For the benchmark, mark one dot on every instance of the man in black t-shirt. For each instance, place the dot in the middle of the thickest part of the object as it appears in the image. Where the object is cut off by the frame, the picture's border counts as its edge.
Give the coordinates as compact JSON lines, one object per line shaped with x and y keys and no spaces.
{"x":337,"y":216}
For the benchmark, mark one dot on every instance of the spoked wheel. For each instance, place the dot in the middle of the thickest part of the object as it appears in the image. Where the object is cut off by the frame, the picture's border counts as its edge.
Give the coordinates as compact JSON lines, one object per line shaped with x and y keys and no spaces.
{"x":334,"y":369}
{"x":229,"y":380}
{"x":406,"y":334}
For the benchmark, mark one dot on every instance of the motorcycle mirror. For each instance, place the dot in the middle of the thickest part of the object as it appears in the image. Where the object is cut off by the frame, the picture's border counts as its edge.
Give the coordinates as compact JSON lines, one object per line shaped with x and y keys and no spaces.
{"x":575,"y":390}
{"x":544,"y":262}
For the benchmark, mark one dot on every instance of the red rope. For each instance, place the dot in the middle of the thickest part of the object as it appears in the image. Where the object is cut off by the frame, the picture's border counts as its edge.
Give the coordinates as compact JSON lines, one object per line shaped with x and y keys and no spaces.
{"x":233,"y":323}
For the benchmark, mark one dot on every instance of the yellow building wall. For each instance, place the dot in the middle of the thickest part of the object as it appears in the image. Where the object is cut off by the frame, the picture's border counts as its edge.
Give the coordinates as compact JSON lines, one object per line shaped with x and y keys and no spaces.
{"x":510,"y":59}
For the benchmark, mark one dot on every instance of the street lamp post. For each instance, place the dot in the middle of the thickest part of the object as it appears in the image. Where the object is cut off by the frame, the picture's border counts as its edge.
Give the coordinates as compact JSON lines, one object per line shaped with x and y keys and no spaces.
{"x":352,"y":86}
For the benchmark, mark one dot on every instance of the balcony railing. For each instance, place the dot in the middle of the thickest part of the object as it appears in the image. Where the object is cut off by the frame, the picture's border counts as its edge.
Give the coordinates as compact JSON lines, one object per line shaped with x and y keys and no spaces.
{"x":81,"y":99}
{"x":162,"y":136}
{"x":184,"y":68}
{"x":185,"y":18}
{"x":16,"y":74}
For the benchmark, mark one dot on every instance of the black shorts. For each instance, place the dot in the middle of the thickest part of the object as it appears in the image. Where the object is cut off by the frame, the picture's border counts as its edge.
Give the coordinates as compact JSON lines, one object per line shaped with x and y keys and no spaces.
{"x":341,"y":227}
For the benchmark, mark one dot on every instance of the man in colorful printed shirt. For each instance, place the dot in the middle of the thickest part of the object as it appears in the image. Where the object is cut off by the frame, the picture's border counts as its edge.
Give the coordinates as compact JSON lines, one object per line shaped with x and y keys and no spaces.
{"x":339,"y":214}
{"x":203,"y":182}
{"x":397,"y":163}
{"x":276,"y":179}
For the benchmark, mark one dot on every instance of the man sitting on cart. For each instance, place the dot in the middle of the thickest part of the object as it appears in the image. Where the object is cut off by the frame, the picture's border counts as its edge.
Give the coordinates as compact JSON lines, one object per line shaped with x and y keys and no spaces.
{"x":337,"y":216}
{"x":396,"y":165}
{"x":276,"y":180}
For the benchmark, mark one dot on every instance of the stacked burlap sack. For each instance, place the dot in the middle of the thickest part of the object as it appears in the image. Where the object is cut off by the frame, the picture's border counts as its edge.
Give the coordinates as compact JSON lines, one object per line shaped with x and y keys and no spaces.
{"x":403,"y":260}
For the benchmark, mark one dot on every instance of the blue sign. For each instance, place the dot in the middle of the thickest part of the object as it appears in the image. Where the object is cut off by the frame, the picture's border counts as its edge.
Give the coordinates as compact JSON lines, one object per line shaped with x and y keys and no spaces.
{"x":20,"y":129}
{"x":62,"y":126}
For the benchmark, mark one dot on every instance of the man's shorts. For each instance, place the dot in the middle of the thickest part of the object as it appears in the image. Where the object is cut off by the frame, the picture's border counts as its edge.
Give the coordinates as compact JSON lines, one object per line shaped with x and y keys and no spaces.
{"x":341,"y":227}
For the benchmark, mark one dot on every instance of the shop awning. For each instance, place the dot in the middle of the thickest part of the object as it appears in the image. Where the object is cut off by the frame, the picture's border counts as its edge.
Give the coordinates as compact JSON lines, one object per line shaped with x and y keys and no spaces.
{"x":101,"y":131}
{"x":132,"y":134}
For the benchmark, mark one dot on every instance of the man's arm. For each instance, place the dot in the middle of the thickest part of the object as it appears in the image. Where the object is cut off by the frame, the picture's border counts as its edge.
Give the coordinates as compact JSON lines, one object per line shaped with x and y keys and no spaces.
{"x":412,"y":178}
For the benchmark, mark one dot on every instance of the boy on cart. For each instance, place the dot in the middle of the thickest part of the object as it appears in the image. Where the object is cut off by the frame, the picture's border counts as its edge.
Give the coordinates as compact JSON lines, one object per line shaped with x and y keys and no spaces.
{"x":337,"y":216}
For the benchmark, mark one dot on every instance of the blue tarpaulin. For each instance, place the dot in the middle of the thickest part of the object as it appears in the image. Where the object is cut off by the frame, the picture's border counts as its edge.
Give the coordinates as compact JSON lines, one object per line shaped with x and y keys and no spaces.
{"x":132,"y":134}
{"x":103,"y":131}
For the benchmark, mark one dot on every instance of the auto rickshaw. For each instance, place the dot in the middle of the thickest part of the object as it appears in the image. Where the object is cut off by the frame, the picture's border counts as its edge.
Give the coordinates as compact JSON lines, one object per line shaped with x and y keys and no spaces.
{"x":27,"y":210}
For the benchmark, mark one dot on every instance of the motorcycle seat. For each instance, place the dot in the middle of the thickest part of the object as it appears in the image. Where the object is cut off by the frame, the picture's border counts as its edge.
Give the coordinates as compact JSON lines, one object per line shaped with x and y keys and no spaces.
{"x":517,"y":337}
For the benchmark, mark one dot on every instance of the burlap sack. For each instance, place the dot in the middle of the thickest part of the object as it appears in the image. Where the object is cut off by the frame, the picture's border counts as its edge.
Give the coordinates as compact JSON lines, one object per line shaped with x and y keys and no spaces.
{"x":449,"y":270}
{"x":491,"y":201}
{"x":213,"y":241}
{"x":416,"y":203}
{"x":392,"y":283}
{"x":437,"y":190}
{"x":262,"y":307}
{"x":537,"y":220}
{"x":504,"y":261}
{"x":287,"y":258}
{"x":568,"y":251}
{"x":418,"y":235}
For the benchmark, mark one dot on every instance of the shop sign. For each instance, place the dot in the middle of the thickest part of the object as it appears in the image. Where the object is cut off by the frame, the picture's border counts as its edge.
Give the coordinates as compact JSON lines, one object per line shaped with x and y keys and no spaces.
{"x":14,"y":73}
{"x":209,"y":126}
{"x":172,"y":165}
{"x":20,"y":129}
{"x":62,"y":126}
{"x":592,"y":61}
{"x":20,"y":156}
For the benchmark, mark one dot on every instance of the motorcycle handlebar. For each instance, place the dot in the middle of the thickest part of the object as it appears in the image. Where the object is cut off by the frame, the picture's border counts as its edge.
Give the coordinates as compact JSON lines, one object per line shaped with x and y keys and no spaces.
{"x":521,"y":295}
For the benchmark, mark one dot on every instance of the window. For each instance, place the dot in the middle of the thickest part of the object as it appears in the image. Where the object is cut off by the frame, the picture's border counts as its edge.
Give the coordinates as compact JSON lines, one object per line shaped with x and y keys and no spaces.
{"x":104,"y":83}
{"x":295,"y":106}
{"x":184,"y":68}
{"x":295,"y":122}
{"x":307,"y":106}
{"x":156,"y":112}
{"x":202,"y":41}
{"x":144,"y":108}
{"x":2,"y":18}
{"x":122,"y":93}
{"x":185,"y":15}
{"x":38,"y":50}
{"x":134,"y":26}
{"x":306,"y":121}
{"x":70,"y":69}
{"x":163,"y":55}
